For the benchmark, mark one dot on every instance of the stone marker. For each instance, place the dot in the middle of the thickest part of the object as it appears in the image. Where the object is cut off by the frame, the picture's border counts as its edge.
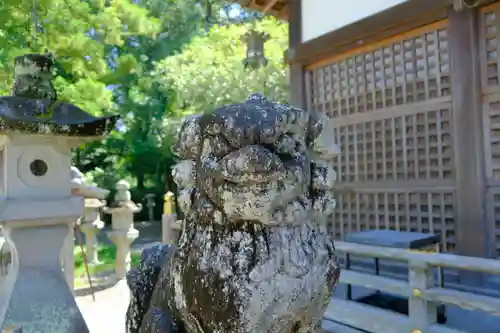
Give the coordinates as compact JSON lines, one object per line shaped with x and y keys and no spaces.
{"x":37,"y":210}
{"x":254,"y":256}
{"x":122,"y":212}
{"x":90,"y":193}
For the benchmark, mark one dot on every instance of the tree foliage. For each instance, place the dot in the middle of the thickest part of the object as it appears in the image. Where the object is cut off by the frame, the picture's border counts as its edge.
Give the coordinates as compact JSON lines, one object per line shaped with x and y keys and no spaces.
{"x":150,"y":61}
{"x":209,"y":72}
{"x":79,"y":34}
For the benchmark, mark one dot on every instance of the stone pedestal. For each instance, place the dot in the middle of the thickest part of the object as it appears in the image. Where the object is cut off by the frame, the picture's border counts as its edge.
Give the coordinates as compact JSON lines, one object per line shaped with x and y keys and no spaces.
{"x":39,"y":299}
{"x":122,"y":239}
{"x":170,"y":234}
{"x":6,"y":276}
{"x":90,"y":225}
{"x":122,"y":211}
{"x":169,"y":219}
{"x":68,"y":257}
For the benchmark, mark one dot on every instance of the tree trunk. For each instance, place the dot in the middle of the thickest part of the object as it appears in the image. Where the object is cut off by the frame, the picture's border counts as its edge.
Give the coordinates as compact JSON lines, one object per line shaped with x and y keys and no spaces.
{"x":140,"y":180}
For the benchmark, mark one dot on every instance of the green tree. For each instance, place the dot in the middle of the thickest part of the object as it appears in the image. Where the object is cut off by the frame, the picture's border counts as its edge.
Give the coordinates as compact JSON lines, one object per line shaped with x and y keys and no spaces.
{"x":133,"y":57}
{"x":209,"y":72}
{"x":143,"y":105}
{"x":146,"y":105}
{"x":79,"y":34}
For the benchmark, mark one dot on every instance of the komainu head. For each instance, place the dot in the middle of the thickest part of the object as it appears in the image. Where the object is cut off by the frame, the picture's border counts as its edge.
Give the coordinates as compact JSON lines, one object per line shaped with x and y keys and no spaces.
{"x":257,"y":162}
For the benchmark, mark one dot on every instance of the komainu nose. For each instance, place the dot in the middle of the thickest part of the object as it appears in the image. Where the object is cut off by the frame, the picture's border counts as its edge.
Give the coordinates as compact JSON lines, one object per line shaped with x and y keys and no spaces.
{"x":252,"y":164}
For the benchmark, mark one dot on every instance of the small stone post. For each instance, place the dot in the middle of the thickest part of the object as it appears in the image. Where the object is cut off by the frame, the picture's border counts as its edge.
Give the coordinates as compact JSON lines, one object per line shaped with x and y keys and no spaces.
{"x":90,"y":225}
{"x":123,"y":234}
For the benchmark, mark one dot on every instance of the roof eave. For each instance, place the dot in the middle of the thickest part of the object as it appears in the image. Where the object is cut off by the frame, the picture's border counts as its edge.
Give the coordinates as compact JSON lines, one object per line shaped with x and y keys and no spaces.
{"x":267,"y":7}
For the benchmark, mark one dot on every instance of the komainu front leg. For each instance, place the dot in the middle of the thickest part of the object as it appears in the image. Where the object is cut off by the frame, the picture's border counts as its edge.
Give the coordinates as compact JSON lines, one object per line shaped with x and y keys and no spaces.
{"x":142,"y":282}
{"x":157,"y":321}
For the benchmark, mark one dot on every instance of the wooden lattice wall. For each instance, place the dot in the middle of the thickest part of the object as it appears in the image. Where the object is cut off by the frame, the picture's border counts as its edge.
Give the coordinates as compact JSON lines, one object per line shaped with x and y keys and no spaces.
{"x":393,"y":121}
{"x":489,"y":43}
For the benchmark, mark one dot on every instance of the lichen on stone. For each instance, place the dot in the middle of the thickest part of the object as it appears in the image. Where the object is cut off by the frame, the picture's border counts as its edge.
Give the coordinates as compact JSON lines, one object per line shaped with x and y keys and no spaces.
{"x":255,"y":183}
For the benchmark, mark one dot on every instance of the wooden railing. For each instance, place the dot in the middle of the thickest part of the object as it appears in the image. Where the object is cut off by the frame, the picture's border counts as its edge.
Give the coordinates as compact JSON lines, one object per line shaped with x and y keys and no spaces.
{"x":421,"y":290}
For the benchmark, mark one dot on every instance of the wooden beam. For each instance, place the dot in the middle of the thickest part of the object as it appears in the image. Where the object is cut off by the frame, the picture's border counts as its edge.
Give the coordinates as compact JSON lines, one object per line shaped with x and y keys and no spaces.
{"x":380,"y":43}
{"x":268,"y":8}
{"x":243,"y":3}
{"x":297,"y":79}
{"x":408,"y":15}
{"x":468,"y":132}
{"x":269,"y":5}
{"x":284,"y":11}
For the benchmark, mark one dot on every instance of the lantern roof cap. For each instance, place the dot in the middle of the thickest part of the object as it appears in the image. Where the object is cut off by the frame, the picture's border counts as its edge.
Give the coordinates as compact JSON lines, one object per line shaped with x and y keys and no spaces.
{"x":26,"y":112}
{"x":94,"y":203}
{"x":33,"y":116}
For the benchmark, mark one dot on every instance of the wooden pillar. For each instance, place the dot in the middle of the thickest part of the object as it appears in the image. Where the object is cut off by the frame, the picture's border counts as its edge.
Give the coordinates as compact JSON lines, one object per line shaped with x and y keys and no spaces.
{"x":297,"y":90}
{"x":468,"y":133}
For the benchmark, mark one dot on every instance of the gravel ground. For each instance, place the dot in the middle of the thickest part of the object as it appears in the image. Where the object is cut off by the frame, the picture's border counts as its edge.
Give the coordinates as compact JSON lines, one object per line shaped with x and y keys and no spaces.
{"x":107,"y":313}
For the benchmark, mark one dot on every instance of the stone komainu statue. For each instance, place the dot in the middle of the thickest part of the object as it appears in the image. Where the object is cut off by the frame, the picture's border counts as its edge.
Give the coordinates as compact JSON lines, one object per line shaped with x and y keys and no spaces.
{"x":254,"y":256}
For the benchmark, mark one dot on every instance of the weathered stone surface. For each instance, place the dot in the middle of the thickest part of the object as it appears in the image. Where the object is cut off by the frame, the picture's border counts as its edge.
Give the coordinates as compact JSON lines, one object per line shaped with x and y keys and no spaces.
{"x":254,"y":255}
{"x":141,"y":282}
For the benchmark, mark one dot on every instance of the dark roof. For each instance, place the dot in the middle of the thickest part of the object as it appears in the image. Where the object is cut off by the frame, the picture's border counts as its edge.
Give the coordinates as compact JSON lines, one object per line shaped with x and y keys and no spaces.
{"x":34,"y":108}
{"x":44,"y":116}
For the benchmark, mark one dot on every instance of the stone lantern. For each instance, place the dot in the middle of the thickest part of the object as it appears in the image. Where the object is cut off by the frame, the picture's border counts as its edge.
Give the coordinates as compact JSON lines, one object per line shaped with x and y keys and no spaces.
{"x":37,"y":208}
{"x":151,"y":204}
{"x":123,"y":233}
{"x":91,"y":224}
